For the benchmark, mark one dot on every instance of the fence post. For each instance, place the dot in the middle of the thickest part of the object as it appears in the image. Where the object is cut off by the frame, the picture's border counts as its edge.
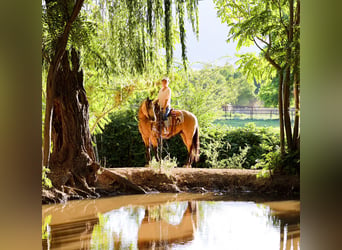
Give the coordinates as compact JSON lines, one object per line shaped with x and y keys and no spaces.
{"x":225,"y":112}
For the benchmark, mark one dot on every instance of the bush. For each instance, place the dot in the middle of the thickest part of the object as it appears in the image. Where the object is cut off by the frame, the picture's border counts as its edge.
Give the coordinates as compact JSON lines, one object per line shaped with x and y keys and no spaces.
{"x":273,"y":162}
{"x":228,"y":143}
{"x":120,"y":144}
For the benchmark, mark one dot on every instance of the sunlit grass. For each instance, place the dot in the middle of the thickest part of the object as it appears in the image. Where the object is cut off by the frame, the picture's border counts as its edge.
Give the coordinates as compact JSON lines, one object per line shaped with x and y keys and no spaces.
{"x":239,"y":123}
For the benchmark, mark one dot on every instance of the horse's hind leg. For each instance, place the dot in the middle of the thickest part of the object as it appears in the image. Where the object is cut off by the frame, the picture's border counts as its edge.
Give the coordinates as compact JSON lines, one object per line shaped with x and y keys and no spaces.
{"x":188,"y":146}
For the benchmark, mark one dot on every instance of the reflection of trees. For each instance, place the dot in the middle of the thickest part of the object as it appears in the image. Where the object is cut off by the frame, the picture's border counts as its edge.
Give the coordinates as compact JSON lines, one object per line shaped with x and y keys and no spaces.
{"x":45,"y":232}
{"x":100,"y":237}
{"x":288,"y":221}
{"x":155,"y":231}
{"x":73,"y":235}
{"x":289,"y":232}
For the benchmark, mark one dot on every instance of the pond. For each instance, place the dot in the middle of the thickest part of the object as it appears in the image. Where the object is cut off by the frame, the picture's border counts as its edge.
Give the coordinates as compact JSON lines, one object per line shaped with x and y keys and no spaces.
{"x":173,"y":221}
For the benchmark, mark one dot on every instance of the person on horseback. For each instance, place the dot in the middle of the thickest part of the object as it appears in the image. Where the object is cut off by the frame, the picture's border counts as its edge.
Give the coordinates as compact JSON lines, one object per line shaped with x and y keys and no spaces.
{"x":164,"y":99}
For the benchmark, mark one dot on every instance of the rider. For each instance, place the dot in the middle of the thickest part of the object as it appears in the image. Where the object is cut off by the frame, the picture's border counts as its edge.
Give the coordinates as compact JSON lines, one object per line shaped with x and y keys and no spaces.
{"x":164,"y":98}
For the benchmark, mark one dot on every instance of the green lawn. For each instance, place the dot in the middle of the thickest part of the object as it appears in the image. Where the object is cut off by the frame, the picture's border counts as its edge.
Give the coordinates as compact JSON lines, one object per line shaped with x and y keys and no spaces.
{"x":242,"y":122}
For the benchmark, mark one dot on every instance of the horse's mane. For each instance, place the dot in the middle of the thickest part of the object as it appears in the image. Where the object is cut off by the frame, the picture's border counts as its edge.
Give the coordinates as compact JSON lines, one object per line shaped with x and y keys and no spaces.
{"x":140,"y":111}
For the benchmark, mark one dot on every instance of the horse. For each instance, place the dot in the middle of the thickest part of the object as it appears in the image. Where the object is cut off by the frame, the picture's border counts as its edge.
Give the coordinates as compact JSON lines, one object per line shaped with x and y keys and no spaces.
{"x":187,"y":128}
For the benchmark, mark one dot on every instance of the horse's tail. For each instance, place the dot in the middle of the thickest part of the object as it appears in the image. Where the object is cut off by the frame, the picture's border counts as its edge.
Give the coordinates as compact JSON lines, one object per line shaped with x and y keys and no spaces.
{"x":194,"y":149}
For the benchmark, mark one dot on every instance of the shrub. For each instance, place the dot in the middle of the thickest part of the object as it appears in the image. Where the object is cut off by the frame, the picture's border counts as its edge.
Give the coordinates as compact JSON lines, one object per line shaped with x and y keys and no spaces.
{"x":272,"y":162}
{"x":164,"y":166}
{"x":228,"y":142}
{"x":120,"y":144}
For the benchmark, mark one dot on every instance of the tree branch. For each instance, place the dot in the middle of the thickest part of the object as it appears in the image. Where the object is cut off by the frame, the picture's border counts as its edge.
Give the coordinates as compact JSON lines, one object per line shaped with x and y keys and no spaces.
{"x":63,"y":39}
{"x":298,"y":13}
{"x":262,"y":40}
{"x":281,"y":16}
{"x":255,"y":42}
{"x":272,"y":62}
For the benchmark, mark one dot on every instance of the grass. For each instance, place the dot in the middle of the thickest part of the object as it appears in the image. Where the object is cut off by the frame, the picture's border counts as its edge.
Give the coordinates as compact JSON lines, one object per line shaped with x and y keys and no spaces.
{"x":242,"y":122}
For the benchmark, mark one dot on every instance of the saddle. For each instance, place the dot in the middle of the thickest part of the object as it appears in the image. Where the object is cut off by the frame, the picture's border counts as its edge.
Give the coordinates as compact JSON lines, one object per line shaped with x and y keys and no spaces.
{"x":174,"y":119}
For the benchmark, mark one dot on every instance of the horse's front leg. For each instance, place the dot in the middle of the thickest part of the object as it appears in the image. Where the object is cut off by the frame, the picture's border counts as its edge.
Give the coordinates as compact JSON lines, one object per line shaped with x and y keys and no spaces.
{"x":147,"y":154}
{"x":154,"y":142}
{"x":155,"y":150}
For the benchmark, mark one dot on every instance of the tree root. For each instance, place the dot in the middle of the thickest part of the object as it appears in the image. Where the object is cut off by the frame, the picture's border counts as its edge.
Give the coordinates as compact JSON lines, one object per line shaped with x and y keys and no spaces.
{"x":111,"y":183}
{"x":107,"y":184}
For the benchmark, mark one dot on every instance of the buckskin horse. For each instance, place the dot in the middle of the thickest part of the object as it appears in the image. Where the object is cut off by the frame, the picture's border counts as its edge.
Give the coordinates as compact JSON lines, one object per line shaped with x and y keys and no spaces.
{"x":181,"y":122}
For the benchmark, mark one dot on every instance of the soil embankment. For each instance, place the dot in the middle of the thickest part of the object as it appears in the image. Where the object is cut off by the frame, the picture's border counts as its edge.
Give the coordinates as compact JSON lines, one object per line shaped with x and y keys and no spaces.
{"x":209,"y":180}
{"x":122,"y":181}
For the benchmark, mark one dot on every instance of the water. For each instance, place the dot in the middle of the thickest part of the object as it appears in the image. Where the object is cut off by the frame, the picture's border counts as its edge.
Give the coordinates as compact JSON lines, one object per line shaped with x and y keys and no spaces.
{"x":172,"y":221}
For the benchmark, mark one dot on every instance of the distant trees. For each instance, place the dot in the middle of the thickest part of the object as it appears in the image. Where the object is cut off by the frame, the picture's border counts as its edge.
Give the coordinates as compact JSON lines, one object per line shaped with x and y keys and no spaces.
{"x":274,"y":27}
{"x":203,"y":92}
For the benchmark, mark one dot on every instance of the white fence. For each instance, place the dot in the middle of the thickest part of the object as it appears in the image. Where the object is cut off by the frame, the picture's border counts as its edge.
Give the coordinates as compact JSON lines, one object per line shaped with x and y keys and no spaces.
{"x":252,"y":112}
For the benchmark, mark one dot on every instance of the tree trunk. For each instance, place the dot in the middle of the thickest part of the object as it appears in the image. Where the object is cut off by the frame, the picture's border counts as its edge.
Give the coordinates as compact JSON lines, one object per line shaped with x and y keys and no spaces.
{"x":281,"y":112}
{"x":286,"y":102}
{"x":296,"y":83}
{"x":72,"y":160}
{"x":51,"y":79}
{"x":286,"y":87}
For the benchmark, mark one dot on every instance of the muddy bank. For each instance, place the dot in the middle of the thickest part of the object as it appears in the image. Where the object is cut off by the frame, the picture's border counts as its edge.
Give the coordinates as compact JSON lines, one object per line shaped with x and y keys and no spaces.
{"x":209,"y":180}
{"x":123,"y":181}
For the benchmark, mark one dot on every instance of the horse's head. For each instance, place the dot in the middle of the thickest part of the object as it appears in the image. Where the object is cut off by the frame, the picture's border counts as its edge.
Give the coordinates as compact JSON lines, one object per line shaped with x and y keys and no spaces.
{"x":150,"y":114}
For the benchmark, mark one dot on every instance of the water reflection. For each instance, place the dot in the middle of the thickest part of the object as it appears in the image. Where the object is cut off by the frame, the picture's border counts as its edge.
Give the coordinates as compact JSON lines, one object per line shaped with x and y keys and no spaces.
{"x":156,"y":230}
{"x":173,"y":222}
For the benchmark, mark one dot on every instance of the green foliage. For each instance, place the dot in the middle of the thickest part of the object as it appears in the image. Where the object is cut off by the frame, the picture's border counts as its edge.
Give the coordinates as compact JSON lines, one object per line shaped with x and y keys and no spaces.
{"x":272,"y":162}
{"x":237,"y":160}
{"x":120,"y":144}
{"x":269,"y":163}
{"x":214,"y":148}
{"x":203,"y":92}
{"x":230,"y":141}
{"x":269,"y":93}
{"x":46,"y":182}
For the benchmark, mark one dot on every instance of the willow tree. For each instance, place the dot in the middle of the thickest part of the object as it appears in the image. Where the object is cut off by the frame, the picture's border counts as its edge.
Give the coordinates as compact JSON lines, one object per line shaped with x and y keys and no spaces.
{"x":128,"y":38}
{"x":273,"y":26}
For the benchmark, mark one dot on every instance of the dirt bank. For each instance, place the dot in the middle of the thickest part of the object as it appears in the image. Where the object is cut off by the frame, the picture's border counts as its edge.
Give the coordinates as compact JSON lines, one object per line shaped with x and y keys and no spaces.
{"x":122,"y":181}
{"x":209,"y":180}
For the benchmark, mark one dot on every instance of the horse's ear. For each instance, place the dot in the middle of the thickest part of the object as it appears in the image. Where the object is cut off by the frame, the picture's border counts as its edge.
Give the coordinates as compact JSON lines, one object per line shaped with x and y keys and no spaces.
{"x":148,"y":99}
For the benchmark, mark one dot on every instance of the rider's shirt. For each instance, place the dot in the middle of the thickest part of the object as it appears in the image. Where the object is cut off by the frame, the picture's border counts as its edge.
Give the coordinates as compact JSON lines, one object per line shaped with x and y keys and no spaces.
{"x":163,"y":95}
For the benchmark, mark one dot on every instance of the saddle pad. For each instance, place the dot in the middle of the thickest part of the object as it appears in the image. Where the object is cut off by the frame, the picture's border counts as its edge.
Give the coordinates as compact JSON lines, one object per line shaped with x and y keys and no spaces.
{"x":177,"y":115}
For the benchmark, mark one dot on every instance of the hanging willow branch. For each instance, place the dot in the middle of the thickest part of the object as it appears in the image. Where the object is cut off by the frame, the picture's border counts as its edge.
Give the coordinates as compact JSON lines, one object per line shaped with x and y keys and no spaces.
{"x":182,"y":35}
{"x":168,"y":33}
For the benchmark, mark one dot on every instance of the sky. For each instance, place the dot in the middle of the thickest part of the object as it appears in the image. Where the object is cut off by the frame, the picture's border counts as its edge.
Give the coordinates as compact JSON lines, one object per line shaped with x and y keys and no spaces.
{"x":212,"y":46}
